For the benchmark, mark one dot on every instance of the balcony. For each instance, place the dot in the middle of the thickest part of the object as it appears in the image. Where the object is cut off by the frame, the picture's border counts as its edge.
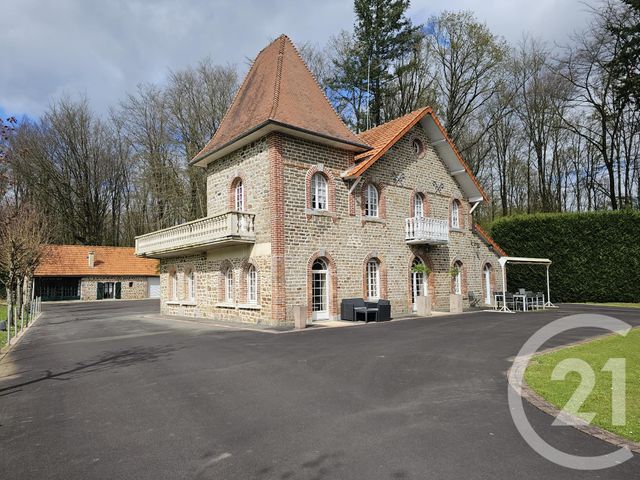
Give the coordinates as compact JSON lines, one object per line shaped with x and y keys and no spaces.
{"x":429,"y":231}
{"x":200,"y":235}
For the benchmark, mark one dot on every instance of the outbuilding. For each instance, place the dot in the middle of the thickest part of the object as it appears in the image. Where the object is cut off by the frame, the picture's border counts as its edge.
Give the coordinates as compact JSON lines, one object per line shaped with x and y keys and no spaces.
{"x":80,"y":272}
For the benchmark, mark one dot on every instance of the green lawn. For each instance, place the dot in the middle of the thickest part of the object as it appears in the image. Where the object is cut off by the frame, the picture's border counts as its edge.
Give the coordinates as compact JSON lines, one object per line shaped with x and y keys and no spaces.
{"x":616,"y":304}
{"x":596,"y":354}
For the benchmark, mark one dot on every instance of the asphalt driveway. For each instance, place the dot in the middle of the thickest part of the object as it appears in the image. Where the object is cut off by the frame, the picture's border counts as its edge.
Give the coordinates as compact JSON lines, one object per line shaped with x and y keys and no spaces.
{"x":109,"y":390}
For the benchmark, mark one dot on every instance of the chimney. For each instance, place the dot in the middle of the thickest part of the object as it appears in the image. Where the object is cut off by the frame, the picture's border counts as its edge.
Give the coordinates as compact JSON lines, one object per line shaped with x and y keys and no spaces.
{"x":91,"y":259}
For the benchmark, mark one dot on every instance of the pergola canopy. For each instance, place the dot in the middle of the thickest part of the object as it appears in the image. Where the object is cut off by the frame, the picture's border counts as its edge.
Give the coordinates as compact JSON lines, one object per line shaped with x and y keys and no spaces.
{"x":522,"y":261}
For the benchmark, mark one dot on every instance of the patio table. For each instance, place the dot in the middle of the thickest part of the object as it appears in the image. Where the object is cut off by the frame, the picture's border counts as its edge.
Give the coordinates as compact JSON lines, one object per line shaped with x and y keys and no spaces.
{"x":523,"y":296}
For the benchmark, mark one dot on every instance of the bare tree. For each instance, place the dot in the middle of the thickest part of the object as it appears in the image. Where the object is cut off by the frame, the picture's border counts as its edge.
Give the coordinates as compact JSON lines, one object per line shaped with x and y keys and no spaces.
{"x":197,"y":99}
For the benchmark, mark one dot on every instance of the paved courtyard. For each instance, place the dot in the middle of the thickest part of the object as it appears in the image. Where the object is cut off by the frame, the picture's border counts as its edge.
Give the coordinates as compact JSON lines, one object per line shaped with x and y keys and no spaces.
{"x":110,"y":390}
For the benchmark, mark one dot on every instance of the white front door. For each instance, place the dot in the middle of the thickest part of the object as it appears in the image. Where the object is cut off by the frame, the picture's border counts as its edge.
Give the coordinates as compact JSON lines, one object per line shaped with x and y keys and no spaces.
{"x":487,"y":284}
{"x":319,"y":290}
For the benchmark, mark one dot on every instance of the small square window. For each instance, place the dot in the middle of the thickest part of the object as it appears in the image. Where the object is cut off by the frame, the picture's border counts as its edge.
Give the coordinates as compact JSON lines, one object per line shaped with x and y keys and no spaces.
{"x":130,"y":284}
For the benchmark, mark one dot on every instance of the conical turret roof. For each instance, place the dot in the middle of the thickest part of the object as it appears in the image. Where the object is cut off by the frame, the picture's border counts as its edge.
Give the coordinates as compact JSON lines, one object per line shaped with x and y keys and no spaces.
{"x":280,"y":93}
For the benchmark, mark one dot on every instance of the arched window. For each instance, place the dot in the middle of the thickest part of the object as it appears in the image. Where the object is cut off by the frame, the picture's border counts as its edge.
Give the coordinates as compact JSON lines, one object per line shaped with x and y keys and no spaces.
{"x":228,"y":285}
{"x":373,"y":279}
{"x":417,"y":146}
{"x":418,"y":205}
{"x":455,"y":214}
{"x":191,"y":285}
{"x":173,"y":285}
{"x":319,"y":192}
{"x":371,"y":200}
{"x":252,"y":285}
{"x":457,"y":278}
{"x":239,"y":195}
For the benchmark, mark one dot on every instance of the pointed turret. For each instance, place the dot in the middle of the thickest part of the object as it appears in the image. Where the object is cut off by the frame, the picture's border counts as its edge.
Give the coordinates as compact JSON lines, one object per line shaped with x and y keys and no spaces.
{"x":279,"y":93}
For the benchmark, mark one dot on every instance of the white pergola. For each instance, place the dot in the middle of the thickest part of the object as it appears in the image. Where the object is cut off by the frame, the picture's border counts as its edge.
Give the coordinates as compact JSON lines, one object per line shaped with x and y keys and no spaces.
{"x":522,"y":261}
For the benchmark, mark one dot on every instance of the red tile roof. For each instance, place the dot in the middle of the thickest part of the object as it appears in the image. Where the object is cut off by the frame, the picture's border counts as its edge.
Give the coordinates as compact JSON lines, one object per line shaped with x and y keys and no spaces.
{"x":487,"y":238}
{"x":72,"y":261}
{"x":384,"y":136}
{"x":280,"y":89}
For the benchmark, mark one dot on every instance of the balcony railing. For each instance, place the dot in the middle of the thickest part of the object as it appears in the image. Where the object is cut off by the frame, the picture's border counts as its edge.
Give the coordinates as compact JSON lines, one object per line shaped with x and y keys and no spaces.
{"x":424,"y":230}
{"x":227,"y":228}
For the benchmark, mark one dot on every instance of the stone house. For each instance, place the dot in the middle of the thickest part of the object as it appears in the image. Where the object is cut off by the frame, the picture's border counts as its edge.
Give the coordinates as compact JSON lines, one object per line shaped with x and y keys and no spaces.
{"x":79,"y":272}
{"x":304,"y":212}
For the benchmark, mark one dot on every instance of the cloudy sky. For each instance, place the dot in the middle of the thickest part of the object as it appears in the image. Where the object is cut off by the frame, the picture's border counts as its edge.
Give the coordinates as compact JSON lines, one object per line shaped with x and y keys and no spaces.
{"x":103,"y":49}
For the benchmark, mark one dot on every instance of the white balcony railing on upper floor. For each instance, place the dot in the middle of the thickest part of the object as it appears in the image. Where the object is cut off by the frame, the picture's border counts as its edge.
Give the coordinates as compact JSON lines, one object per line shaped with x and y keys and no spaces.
{"x":426,"y":230}
{"x":227,"y":228}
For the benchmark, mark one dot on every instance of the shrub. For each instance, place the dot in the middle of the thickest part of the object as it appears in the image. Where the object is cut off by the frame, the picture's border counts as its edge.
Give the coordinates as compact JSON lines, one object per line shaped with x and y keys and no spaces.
{"x":595,"y":255}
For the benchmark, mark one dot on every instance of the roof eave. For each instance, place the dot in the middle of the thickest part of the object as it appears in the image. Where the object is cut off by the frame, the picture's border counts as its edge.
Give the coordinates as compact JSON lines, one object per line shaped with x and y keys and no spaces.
{"x":271,"y":125}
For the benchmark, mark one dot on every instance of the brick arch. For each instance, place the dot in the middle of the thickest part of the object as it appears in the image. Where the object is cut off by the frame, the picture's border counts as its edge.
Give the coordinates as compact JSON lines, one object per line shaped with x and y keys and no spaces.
{"x":464,"y":285}
{"x":333,"y":283}
{"x":461,"y":212}
{"x":431,"y":280}
{"x":492,"y":278}
{"x":383,"y":275}
{"x":331,"y":187}
{"x":238,"y":177}
{"x":242,"y":291}
{"x":426,"y":206}
{"x":382,"y":203}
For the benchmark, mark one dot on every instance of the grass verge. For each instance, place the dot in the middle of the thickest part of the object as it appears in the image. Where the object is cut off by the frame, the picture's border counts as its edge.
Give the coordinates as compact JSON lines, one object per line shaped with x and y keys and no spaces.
{"x":596,"y":353}
{"x":616,"y":304}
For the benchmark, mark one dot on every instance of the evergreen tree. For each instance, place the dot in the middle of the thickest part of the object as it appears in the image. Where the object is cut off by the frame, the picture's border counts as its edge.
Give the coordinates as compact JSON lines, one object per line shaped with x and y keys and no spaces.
{"x":626,"y":64}
{"x":382,"y":34}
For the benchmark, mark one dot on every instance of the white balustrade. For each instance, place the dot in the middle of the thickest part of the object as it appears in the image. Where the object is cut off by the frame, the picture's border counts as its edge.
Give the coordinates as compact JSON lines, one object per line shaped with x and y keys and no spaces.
{"x":426,"y":230}
{"x":204,"y":231}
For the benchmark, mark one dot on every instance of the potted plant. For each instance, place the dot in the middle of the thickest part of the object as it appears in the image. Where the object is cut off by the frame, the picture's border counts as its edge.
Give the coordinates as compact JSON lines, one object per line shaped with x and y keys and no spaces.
{"x":455,"y":299}
{"x":423,"y":303}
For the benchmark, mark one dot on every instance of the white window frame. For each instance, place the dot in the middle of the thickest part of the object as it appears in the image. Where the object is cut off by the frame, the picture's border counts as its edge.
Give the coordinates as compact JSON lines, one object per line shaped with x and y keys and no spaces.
{"x":457,"y":280}
{"x":228,"y":286}
{"x":371,"y":201}
{"x":455,"y":214}
{"x":417,"y":146}
{"x":373,"y":279}
{"x":319,"y":192}
{"x":252,"y":285}
{"x":239,"y":195}
{"x":191,"y":285}
{"x":486,"y":278}
{"x":418,"y":206}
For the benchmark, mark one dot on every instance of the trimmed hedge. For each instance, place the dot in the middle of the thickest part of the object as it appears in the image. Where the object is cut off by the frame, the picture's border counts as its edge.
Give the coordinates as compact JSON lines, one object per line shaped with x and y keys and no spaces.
{"x":595,"y":255}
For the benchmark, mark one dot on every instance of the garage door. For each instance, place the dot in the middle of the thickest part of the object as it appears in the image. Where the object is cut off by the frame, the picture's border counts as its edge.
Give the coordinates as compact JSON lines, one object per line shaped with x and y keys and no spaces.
{"x":154,"y":287}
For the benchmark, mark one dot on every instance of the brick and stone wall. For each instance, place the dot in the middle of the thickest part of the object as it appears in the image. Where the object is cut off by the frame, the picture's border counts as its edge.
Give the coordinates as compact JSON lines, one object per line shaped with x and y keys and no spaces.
{"x":276,"y":172}
{"x":139,"y":288}
{"x":251,"y":164}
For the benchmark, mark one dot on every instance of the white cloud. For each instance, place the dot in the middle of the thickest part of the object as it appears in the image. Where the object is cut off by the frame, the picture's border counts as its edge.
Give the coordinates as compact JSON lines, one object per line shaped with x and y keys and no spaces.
{"x":104,"y":48}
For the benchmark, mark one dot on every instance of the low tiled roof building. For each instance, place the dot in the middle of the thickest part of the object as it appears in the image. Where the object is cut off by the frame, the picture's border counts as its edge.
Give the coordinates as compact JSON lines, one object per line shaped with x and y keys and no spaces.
{"x":80,"y":272}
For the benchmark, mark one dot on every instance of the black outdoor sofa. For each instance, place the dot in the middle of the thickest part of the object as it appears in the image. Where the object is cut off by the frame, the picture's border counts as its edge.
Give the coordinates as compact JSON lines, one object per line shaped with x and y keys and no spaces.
{"x":354,"y":309}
